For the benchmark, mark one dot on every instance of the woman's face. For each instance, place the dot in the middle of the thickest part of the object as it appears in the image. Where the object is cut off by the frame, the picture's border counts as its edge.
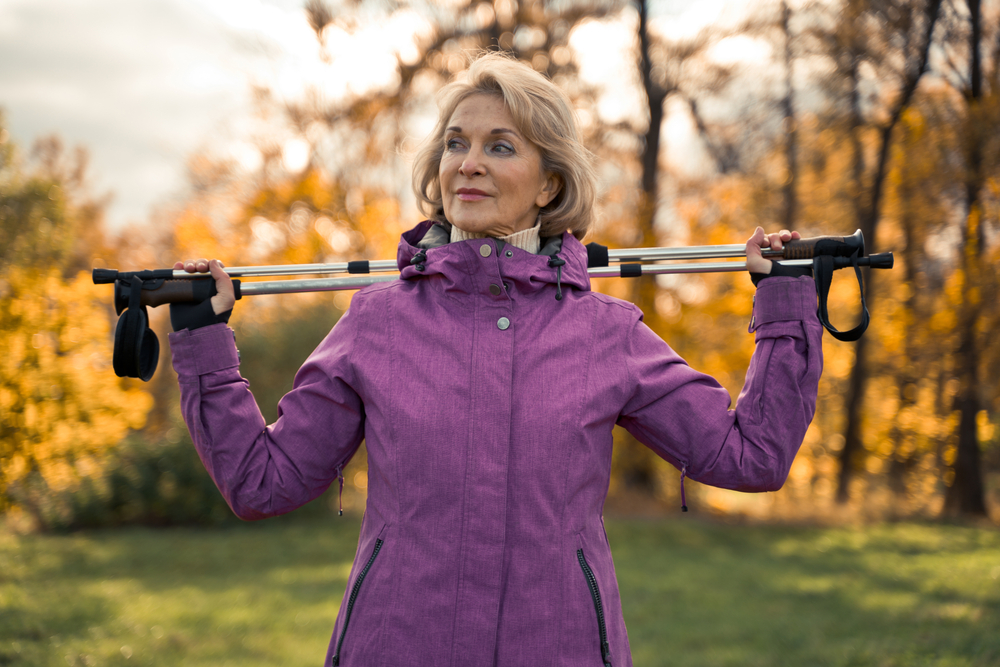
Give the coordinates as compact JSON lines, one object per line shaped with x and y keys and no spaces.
{"x":492,"y":181}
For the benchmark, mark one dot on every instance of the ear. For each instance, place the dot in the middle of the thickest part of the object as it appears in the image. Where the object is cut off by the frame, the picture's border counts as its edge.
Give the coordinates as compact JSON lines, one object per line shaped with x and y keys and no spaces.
{"x":551,"y":186}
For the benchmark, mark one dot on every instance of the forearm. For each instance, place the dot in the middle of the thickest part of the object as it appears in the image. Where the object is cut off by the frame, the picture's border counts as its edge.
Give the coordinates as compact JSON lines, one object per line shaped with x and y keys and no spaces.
{"x":261,"y":471}
{"x":778,"y":399}
{"x":684,"y":415}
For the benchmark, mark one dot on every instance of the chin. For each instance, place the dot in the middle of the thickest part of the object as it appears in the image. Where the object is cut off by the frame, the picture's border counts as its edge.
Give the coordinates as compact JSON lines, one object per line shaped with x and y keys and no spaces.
{"x":479,"y":227}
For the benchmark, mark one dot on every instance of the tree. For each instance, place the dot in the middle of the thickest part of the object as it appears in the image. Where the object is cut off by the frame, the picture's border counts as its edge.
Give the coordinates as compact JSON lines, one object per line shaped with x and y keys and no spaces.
{"x":979,"y":125}
{"x":60,"y":406}
{"x":892,"y":40}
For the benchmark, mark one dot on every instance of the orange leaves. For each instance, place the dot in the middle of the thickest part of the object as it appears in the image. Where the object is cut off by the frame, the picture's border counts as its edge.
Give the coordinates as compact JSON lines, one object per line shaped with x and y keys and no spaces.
{"x":194,"y":237}
{"x":61,"y":407}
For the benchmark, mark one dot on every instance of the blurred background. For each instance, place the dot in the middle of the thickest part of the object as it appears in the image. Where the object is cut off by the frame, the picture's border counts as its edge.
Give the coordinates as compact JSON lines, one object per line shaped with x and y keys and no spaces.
{"x":277,"y":131}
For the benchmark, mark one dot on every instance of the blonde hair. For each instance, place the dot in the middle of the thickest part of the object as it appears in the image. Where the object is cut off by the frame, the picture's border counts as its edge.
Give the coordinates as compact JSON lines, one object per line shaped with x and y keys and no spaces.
{"x":543,"y":114}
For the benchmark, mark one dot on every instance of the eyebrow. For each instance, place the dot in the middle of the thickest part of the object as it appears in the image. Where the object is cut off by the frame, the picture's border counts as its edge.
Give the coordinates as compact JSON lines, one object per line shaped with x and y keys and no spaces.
{"x":498,"y":130}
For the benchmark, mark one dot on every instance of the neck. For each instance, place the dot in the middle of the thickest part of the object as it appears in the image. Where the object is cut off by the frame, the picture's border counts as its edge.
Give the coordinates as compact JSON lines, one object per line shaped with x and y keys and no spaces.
{"x":527,"y":239}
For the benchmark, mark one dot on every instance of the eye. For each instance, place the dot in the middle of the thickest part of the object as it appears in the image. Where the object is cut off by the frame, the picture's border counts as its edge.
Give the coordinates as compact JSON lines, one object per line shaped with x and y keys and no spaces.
{"x":503,"y":148}
{"x":453,"y":144}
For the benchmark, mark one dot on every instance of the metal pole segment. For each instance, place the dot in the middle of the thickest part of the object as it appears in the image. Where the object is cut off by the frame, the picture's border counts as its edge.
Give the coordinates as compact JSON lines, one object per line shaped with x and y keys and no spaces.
{"x":629,"y":255}
{"x":379,"y":265}
{"x":687,"y":267}
{"x":632,"y":255}
{"x":317,"y":285}
{"x":357,"y":282}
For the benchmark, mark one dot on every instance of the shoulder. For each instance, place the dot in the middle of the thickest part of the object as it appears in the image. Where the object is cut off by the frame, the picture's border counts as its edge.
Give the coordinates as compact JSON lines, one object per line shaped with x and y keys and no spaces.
{"x":610,"y":321}
{"x":374,"y":297}
{"x":616,"y":312}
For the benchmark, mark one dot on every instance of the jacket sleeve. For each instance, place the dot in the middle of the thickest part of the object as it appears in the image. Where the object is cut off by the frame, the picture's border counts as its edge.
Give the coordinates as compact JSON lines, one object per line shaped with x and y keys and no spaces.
{"x":268,"y":470}
{"x":684,"y":415}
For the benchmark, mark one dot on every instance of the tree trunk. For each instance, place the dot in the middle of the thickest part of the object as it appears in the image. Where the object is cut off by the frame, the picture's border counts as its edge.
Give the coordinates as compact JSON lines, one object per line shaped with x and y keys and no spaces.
{"x":788,"y":123}
{"x":655,"y":98}
{"x":868,"y":217}
{"x":905,"y":450}
{"x":966,"y":495}
{"x":853,"y":445}
{"x":635,"y":462}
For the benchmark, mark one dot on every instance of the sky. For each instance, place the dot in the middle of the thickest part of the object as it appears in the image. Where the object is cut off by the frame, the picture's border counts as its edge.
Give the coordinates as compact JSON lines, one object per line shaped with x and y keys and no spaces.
{"x":145,"y":84}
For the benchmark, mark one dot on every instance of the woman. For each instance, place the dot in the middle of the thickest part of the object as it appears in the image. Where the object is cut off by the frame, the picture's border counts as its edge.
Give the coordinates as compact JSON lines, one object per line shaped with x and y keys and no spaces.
{"x":486,"y":383}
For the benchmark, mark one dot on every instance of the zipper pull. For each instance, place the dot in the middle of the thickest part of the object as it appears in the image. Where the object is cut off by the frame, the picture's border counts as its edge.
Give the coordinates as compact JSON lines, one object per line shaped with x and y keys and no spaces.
{"x":684,"y":507}
{"x":340,"y":496}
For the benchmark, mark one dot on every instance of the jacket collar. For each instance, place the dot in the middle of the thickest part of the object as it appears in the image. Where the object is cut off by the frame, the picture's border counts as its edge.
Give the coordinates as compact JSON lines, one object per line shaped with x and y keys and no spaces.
{"x":460,"y":263}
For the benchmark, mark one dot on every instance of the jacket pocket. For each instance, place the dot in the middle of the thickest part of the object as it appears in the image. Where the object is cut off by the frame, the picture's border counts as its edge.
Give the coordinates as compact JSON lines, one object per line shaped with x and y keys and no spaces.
{"x":352,"y":599}
{"x":595,"y":593}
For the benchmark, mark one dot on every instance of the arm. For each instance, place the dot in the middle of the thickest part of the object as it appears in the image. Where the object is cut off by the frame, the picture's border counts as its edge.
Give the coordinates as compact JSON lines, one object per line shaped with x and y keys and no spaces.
{"x":684,"y":415}
{"x":267,"y":470}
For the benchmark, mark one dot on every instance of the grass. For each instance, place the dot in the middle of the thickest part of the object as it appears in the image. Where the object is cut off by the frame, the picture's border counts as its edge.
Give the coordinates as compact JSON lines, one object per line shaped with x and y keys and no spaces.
{"x":695,"y":593}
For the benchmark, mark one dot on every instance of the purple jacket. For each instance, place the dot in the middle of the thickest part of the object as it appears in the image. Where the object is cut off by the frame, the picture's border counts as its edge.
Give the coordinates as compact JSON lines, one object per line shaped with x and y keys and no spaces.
{"x":487,"y":406}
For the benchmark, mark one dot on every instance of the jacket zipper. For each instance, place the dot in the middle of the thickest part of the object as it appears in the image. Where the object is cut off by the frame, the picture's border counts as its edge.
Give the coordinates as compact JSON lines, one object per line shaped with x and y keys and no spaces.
{"x":350,"y":601}
{"x":595,"y":593}
{"x":684,"y":472}
{"x":340,"y":496}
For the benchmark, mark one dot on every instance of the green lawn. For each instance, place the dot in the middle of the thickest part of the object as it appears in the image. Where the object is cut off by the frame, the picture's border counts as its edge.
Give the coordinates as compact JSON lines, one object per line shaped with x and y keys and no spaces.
{"x":695,"y":593}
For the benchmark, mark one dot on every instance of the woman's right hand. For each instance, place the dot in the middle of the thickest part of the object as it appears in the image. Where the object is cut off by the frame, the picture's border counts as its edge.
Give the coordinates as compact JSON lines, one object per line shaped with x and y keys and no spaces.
{"x":226,"y":297}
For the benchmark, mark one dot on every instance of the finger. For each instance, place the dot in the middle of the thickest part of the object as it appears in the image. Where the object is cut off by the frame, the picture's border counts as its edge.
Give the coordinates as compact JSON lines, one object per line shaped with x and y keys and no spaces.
{"x":775,"y":241}
{"x":785,"y":235}
{"x":755,"y":260}
{"x":796,"y":236}
{"x":215,"y":267}
{"x":223,"y":283}
{"x":226,"y":294}
{"x":178,"y":266}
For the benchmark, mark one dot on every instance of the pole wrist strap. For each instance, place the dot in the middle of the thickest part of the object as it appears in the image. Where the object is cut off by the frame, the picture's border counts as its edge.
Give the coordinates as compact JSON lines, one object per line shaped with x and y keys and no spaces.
{"x":823,"y":267}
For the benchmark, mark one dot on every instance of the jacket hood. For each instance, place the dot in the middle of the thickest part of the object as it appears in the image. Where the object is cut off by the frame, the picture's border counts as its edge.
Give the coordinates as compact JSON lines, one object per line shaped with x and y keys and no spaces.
{"x":427,"y":245}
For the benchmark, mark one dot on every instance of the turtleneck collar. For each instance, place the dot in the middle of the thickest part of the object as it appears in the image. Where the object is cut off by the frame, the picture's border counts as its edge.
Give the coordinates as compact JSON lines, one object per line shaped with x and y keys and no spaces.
{"x":425,"y":253}
{"x":527,"y":239}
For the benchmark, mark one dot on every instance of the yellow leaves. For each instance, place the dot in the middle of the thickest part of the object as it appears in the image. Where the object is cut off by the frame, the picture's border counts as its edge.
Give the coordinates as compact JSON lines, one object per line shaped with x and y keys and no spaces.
{"x":913,"y":121}
{"x":194,"y":237}
{"x":380,"y":224}
{"x":838,"y":359}
{"x":60,"y":401}
{"x":986,"y":428}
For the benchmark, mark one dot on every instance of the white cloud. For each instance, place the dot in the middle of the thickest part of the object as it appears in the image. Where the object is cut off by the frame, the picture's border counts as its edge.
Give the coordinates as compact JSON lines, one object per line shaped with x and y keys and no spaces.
{"x":140,"y":84}
{"x":144,"y":84}
{"x":741,"y":49}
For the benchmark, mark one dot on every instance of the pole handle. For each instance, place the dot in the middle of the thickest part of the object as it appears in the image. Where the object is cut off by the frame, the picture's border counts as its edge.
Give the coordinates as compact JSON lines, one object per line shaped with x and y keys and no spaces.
{"x":159,"y":292}
{"x":836,"y":246}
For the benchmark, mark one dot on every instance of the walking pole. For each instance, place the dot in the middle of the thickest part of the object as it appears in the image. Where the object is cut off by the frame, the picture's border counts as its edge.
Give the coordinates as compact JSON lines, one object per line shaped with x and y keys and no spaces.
{"x":137,"y":290}
{"x":794,"y":253}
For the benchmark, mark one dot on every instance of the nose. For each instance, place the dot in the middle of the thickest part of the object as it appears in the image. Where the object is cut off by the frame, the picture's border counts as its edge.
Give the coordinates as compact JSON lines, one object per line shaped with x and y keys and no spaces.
{"x":470,"y":166}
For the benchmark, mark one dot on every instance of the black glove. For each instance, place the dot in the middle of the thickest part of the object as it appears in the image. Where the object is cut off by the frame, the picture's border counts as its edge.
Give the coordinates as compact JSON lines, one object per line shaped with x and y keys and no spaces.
{"x":196,"y":315}
{"x":781,"y":270}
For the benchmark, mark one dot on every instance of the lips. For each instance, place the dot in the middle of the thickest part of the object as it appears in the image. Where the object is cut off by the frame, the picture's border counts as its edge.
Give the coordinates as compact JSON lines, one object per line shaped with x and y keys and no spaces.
{"x":470,"y":194}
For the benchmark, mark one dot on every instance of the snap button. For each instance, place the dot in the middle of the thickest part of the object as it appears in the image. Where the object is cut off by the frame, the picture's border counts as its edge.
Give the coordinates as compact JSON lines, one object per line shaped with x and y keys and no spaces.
{"x":510,"y":254}
{"x":503,"y":323}
{"x":495,"y":290}
{"x":485,"y":250}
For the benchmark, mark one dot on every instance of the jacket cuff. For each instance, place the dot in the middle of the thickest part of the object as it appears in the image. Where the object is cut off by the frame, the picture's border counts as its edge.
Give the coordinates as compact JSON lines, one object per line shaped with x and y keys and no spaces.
{"x":204,"y":350}
{"x":781,"y":299}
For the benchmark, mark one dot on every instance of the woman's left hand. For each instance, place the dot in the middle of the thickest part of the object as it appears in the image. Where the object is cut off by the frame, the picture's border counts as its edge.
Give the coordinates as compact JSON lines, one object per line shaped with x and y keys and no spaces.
{"x":755,"y":261}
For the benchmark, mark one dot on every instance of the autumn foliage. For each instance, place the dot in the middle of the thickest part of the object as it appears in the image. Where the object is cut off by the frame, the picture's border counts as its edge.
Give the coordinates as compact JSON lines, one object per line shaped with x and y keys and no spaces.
{"x":61,"y":409}
{"x":911,"y":154}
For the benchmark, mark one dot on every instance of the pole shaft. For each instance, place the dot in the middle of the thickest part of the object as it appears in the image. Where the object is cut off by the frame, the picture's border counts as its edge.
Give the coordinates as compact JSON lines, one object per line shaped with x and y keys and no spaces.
{"x":627,"y":255}
{"x":357,"y":282}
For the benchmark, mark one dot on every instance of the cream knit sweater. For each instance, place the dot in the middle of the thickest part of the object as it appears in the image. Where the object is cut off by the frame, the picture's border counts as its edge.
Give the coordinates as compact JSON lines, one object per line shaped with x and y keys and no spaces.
{"x":527,"y":239}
